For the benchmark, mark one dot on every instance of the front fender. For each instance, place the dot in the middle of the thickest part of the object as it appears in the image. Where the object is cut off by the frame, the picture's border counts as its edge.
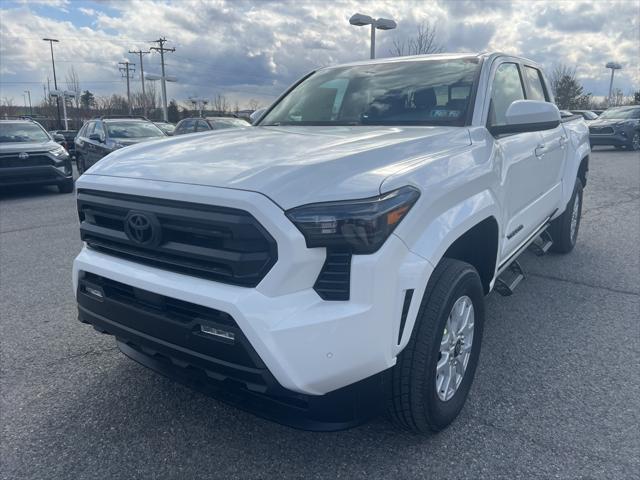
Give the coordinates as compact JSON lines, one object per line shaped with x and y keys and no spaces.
{"x":440,"y":233}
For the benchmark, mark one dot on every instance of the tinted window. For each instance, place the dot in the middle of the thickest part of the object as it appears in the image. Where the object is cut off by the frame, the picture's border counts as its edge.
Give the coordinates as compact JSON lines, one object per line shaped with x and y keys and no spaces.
{"x":426,"y":92}
{"x":22,"y":132}
{"x":89,"y":129}
{"x":507,"y":88}
{"x":130,"y":129}
{"x":534,"y":80}
{"x":228,"y":123}
{"x":623,"y":113}
{"x":201,"y":126}
{"x":185,"y":126}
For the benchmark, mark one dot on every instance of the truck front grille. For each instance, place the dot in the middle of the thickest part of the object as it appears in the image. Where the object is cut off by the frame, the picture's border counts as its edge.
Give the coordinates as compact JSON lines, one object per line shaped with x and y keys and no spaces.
{"x":33,"y":160}
{"x":217,"y":243}
{"x":601,"y":130}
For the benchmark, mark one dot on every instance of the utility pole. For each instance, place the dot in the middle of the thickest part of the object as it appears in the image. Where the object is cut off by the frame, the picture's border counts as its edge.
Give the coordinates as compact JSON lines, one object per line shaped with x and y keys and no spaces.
{"x":55,"y":81}
{"x":125,"y":73}
{"x":161,"y":41}
{"x":144,"y":95}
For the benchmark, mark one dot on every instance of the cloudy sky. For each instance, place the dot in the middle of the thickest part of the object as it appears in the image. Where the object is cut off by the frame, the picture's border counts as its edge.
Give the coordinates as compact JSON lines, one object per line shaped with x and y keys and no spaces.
{"x":248,"y":49}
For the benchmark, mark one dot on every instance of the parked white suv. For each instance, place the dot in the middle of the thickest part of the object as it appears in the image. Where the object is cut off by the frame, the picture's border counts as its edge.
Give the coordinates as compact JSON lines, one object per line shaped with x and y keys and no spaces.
{"x":333,"y":262}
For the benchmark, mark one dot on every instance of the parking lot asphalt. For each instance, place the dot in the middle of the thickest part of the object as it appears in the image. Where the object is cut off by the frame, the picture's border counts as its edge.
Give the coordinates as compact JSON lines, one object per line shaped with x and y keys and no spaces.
{"x":556,"y":394}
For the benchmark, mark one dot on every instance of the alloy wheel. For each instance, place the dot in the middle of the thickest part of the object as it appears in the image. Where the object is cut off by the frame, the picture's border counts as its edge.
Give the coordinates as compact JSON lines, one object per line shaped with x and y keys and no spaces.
{"x":455,"y":348}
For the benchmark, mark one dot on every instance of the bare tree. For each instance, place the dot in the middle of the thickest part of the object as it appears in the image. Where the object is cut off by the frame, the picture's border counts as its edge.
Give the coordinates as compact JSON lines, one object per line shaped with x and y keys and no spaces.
{"x":424,"y":42}
{"x":253,"y":104}
{"x":152,"y":95}
{"x":220,"y":104}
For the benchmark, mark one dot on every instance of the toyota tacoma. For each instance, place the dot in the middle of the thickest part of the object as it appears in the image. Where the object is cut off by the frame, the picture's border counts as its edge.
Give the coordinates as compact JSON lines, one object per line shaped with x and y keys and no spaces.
{"x":332,"y":263}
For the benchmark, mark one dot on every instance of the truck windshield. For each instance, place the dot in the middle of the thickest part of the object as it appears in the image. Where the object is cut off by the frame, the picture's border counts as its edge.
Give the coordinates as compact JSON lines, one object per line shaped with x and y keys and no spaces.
{"x":22,"y":133}
{"x":412,"y":92}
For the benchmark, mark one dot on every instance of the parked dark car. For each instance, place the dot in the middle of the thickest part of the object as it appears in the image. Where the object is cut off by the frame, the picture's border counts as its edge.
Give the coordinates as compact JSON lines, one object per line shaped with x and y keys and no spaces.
{"x":166,"y":127}
{"x":69,"y":140}
{"x":618,"y":126}
{"x":29,"y":155}
{"x":101,"y":136}
{"x":191,"y":125}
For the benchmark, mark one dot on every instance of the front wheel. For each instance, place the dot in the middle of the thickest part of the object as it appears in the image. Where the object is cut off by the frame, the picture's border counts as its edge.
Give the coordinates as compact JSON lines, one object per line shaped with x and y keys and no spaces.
{"x":433,"y":375}
{"x":66,"y":186}
{"x":564,"y":229}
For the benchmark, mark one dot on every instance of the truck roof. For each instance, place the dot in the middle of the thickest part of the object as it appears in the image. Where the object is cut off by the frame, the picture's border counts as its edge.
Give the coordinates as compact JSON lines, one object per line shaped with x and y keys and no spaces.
{"x":431,"y":56}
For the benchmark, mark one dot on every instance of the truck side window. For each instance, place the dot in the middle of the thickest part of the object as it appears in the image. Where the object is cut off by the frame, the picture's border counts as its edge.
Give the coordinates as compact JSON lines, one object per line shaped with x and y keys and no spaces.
{"x":534,"y":80}
{"x":507,"y":88}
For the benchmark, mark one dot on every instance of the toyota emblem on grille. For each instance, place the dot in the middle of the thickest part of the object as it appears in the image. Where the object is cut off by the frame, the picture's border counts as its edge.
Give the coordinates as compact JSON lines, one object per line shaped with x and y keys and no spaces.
{"x":23,"y":155}
{"x":142,"y":228}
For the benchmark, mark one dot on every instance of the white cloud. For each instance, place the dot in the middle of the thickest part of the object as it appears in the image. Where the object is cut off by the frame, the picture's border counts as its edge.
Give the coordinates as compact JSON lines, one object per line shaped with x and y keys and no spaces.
{"x":246,"y":49}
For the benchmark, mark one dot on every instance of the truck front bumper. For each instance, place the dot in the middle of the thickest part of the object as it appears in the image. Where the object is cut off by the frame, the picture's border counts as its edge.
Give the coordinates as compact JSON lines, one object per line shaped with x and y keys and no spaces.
{"x":295,"y":344}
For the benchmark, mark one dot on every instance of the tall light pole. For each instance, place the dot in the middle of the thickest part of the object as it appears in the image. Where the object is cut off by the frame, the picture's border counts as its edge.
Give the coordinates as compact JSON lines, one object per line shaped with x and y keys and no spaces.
{"x":613,"y":66}
{"x":55,"y":81}
{"x":360,"y":20}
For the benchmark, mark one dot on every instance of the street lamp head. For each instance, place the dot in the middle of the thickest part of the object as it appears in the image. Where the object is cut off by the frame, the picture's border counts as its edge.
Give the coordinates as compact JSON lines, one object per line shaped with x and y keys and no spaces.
{"x":360,"y":20}
{"x":50,"y":40}
{"x":385,"y":24}
{"x":614,"y":65}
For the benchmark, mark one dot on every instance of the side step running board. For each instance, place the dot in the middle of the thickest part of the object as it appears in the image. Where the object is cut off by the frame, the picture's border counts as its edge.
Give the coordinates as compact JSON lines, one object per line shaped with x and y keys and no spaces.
{"x":508,"y":280}
{"x":542,"y":244}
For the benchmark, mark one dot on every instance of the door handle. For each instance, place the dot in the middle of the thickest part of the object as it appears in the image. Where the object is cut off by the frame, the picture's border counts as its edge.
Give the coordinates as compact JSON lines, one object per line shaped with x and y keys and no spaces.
{"x":540,"y":150}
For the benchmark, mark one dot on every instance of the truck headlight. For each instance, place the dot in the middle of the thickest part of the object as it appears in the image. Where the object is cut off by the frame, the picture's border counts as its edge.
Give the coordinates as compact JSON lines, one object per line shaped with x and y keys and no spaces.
{"x":361,"y":226}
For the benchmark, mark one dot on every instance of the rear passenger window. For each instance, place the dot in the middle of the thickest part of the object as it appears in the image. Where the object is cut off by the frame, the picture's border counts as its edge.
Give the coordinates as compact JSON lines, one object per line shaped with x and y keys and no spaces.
{"x":534,"y":81}
{"x":507,"y":88}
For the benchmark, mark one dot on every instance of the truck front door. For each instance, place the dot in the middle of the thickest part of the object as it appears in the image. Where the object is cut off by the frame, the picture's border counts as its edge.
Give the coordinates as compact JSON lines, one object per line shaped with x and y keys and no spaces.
{"x":523,"y":184}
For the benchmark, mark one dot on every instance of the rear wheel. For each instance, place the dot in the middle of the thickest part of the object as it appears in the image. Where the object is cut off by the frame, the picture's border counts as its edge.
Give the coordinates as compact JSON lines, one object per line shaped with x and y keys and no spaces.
{"x":433,"y":375}
{"x":564,"y":229}
{"x":635,"y":141}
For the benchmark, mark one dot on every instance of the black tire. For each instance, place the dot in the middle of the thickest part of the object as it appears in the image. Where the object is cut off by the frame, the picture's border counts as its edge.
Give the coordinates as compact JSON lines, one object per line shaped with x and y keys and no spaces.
{"x":564,"y":238}
{"x":634,"y":144}
{"x":413,"y":403}
{"x":66,"y":186}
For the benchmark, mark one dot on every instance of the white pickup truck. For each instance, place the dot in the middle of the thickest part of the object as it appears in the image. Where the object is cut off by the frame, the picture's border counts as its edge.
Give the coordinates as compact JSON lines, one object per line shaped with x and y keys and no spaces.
{"x":331,"y":261}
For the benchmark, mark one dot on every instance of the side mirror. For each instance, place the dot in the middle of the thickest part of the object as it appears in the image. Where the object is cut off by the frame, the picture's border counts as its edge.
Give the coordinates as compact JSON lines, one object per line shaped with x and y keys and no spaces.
{"x":59,"y":138}
{"x":255,"y":116}
{"x":528,"y":116}
{"x":96,"y":137}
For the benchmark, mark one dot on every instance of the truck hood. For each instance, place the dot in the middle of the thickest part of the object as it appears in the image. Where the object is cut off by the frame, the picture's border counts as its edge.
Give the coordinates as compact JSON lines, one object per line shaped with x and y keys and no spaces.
{"x":291,"y":165}
{"x":18,"y":147}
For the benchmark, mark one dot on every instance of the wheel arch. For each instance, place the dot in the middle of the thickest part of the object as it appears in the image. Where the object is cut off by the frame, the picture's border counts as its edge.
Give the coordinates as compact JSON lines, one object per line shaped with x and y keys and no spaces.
{"x":478,"y":247}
